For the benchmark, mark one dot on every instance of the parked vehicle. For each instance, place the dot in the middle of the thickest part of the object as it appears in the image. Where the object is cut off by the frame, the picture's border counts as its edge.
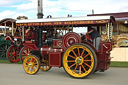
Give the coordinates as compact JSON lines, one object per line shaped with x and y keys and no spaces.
{"x":6,"y":32}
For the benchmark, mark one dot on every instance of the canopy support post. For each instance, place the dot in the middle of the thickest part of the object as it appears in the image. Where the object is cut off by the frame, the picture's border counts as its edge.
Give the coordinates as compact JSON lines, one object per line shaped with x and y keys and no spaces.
{"x":12,"y":29}
{"x":40,"y":36}
{"x":23,"y":33}
{"x":5,"y":30}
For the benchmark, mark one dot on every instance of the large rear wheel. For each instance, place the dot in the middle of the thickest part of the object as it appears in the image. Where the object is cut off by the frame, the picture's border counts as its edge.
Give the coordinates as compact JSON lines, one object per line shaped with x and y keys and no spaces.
{"x":31,"y":64}
{"x":3,"y":50}
{"x":79,"y":60}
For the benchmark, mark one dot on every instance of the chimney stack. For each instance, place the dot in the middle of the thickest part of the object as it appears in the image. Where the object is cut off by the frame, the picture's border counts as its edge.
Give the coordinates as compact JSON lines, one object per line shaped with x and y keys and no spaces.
{"x":92,"y":11}
{"x":40,"y":9}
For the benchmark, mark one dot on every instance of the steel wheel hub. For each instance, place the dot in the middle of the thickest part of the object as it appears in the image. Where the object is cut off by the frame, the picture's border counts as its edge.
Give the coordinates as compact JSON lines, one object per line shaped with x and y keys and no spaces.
{"x":30,"y":64}
{"x":79,"y":60}
{"x":14,"y":53}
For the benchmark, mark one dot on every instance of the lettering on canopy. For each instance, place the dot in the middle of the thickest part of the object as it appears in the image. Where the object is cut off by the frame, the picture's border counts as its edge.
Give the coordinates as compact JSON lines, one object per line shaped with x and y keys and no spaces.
{"x":63,"y":23}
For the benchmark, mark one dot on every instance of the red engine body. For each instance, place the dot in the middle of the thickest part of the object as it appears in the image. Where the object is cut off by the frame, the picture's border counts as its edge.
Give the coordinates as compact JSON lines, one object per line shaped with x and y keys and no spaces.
{"x":103,"y":56}
{"x":55,"y":52}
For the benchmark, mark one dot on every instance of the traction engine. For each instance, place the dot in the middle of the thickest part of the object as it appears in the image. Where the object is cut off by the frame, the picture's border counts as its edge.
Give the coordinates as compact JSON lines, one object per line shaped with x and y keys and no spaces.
{"x":80,"y":58}
{"x":54,"y":44}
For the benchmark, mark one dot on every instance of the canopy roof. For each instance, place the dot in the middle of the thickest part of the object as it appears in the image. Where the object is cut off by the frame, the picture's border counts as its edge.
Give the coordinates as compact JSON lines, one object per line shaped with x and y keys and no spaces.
{"x":8,"y":21}
{"x":87,"y":20}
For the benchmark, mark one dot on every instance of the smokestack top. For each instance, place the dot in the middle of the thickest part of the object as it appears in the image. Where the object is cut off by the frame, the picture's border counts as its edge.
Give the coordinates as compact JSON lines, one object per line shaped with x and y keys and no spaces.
{"x":40,"y":9}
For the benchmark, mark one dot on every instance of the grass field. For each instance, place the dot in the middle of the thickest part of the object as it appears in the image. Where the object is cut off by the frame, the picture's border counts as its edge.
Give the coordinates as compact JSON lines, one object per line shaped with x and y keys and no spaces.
{"x":113,"y":64}
{"x":6,"y":61}
{"x":119,"y":64}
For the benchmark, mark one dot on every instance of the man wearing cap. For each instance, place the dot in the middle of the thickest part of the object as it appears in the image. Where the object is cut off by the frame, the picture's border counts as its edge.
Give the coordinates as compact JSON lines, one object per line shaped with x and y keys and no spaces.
{"x":95,"y":36}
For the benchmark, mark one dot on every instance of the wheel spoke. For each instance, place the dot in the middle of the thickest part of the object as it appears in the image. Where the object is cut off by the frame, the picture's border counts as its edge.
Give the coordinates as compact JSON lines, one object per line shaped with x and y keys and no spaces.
{"x":25,"y":52}
{"x":87,"y":55}
{"x":6,"y":47}
{"x":17,"y":57}
{"x":79,"y":69}
{"x":12,"y":57}
{"x":33,"y":69}
{"x":28,"y":68}
{"x":13,"y":50}
{"x":28,"y":50}
{"x":88,"y":60}
{"x":71,"y":61}
{"x":87,"y":65}
{"x":75,"y":68}
{"x":82,"y":52}
{"x":72,"y":65}
{"x":74,"y":53}
{"x":23,"y":57}
{"x":78,"y":51}
{"x":83,"y":68}
{"x":35,"y":66}
{"x":2,"y":48}
{"x":72,"y":56}
{"x":10,"y":53}
{"x":3,"y":55}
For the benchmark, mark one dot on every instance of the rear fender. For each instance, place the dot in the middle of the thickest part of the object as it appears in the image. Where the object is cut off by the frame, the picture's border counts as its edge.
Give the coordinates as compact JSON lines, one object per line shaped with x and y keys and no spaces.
{"x":91,"y":45}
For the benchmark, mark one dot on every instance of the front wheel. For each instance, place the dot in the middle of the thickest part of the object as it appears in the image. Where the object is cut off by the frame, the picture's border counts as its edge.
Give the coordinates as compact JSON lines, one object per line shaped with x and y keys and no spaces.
{"x":31,"y":64}
{"x":79,"y":60}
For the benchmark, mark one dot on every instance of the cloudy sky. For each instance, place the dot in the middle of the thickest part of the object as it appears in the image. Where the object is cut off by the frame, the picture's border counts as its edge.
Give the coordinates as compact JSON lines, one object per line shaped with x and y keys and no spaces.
{"x":60,"y":8}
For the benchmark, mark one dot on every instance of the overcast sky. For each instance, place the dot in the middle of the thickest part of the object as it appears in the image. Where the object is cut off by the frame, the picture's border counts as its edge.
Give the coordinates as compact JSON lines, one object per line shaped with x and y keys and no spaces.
{"x":60,"y":8}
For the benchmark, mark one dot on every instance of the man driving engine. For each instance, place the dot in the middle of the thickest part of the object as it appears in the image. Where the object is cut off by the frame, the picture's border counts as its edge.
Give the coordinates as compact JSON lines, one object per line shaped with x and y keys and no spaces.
{"x":95,"y":36}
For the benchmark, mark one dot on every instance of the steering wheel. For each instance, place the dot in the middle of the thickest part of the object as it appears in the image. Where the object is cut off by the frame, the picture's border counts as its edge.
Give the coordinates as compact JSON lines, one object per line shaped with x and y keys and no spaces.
{"x":88,"y":37}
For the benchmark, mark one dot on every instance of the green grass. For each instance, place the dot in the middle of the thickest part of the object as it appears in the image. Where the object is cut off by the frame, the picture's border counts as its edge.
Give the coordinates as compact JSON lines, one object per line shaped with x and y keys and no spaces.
{"x":119,"y":64}
{"x":7,"y":61}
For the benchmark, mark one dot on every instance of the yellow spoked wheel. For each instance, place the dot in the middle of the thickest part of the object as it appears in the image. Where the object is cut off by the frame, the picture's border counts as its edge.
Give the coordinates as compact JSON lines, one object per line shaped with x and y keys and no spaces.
{"x":45,"y":64}
{"x":79,"y":60}
{"x":31,"y":64}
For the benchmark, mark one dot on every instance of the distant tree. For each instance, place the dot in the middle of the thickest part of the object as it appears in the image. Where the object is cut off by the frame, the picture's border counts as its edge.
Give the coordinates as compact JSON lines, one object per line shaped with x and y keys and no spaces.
{"x":22,"y":17}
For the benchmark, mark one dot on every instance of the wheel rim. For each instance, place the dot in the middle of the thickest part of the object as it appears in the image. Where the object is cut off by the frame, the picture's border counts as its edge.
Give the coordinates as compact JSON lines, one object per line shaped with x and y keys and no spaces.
{"x":13,"y":54}
{"x":78,"y":61}
{"x":45,"y":64}
{"x":3,"y":49}
{"x":25,"y":52}
{"x":31,"y":64}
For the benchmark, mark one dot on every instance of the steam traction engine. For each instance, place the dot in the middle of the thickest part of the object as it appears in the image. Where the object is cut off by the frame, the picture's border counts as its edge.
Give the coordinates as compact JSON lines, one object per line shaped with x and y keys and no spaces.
{"x":58,"y":46}
{"x":7,"y":40}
